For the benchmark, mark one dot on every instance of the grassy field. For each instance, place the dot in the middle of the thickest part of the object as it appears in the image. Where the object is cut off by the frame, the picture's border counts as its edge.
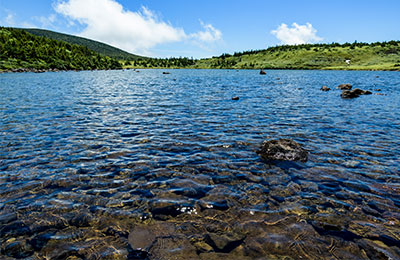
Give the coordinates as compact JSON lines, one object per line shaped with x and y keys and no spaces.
{"x":360,"y":56}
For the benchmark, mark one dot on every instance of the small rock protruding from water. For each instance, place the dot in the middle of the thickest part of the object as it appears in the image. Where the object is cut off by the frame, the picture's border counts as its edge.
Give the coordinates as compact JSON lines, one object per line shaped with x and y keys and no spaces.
{"x":346,"y":86}
{"x":283,"y":150}
{"x":262,"y":72}
{"x":325,"y":88}
{"x":354,"y":93}
{"x":235,"y":98}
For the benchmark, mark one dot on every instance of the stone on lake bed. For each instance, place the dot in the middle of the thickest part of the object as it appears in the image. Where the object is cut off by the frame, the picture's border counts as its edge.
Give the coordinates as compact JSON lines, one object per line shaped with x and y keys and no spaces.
{"x":143,"y":236}
{"x":283,"y":150}
{"x":18,"y":249}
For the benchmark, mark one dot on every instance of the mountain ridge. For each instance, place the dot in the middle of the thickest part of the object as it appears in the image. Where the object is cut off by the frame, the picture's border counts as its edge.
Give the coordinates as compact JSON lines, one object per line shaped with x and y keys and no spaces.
{"x":97,"y":46}
{"x":23,"y":51}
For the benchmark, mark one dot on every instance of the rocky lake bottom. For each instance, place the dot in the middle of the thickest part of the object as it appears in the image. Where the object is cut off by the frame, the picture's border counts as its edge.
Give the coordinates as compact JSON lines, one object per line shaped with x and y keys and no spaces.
{"x":146,"y":165}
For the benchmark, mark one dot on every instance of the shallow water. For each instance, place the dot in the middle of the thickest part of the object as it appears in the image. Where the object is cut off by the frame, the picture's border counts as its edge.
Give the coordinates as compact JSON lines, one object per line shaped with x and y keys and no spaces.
{"x":95,"y":165}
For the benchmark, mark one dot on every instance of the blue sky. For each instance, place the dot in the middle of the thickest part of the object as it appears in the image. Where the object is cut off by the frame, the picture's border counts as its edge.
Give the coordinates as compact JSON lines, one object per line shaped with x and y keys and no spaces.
{"x":161,"y":28}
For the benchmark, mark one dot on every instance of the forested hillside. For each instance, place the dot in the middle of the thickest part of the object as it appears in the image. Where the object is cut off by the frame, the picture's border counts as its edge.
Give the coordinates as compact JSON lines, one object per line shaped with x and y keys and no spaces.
{"x":20,"y":49}
{"x":96,"y":46}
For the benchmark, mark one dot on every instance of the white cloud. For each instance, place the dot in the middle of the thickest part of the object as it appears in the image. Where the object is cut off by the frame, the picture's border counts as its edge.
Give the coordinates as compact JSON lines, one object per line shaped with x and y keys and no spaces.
{"x":297,"y":34}
{"x":137,"y":32}
{"x":9,"y":20}
{"x":46,"y":22}
{"x":210,"y":34}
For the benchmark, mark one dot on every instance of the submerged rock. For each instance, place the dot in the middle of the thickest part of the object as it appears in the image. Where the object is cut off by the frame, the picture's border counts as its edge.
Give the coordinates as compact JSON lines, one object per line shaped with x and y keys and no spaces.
{"x":172,"y":247}
{"x":325,"y":88}
{"x":346,"y":86}
{"x":284,"y":150}
{"x":224,"y":242}
{"x":143,"y":237}
{"x":354,"y":93}
{"x":18,"y":249}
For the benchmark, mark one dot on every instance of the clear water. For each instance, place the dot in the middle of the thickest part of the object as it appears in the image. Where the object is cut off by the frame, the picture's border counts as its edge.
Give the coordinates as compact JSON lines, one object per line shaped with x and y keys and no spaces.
{"x":95,"y":165}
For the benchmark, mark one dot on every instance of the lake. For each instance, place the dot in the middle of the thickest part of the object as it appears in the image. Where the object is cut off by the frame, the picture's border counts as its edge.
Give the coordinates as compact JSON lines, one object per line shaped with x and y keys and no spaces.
{"x":143,"y":165}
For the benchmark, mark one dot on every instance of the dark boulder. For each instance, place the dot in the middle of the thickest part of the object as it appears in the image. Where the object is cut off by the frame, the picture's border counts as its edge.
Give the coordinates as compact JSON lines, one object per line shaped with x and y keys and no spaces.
{"x":283,"y":150}
{"x":354,"y":93}
{"x":325,"y":88}
{"x":349,"y":94}
{"x":345,"y":86}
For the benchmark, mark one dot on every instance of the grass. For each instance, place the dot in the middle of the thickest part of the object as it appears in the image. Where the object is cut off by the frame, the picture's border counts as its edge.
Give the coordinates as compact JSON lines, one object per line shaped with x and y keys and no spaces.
{"x":324,"y":57}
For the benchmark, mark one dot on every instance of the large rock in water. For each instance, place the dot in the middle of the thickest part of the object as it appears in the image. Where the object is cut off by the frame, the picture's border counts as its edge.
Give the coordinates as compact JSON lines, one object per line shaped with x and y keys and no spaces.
{"x":345,"y":86}
{"x":354,"y":93}
{"x":282,"y":149}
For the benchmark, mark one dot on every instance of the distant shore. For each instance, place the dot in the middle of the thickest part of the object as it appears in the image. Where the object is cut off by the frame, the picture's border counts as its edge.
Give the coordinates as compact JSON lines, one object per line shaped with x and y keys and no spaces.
{"x":24,"y":70}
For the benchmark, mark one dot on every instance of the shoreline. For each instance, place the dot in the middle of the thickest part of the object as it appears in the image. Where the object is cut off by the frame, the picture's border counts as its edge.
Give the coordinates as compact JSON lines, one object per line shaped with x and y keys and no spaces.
{"x":24,"y":70}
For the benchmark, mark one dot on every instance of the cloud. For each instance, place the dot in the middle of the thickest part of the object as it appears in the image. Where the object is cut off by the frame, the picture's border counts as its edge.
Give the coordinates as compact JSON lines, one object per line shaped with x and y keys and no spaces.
{"x":46,"y":22}
{"x":297,"y":34}
{"x":210,"y":34}
{"x":137,"y":32}
{"x":11,"y":20}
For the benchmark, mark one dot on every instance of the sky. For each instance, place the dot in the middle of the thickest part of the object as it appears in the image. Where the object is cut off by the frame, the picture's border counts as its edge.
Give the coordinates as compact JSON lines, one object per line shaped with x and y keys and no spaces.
{"x":199,"y":29}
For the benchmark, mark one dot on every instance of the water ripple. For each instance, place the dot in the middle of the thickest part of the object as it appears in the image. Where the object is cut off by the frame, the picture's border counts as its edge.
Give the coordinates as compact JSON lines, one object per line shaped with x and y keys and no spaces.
{"x":89,"y":160}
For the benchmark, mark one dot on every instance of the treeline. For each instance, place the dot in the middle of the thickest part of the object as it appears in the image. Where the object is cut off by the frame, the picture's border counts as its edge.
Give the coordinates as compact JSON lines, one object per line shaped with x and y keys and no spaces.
{"x":347,"y":56}
{"x":20,"y":49}
{"x":315,"y":47}
{"x":161,"y":63}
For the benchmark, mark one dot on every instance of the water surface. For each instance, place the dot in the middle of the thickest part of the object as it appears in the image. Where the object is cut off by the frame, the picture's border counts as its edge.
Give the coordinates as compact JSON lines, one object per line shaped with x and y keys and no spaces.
{"x":95,"y":165}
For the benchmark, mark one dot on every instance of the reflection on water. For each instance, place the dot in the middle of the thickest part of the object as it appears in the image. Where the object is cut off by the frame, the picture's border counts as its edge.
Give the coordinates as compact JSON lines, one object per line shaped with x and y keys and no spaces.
{"x":95,"y":165}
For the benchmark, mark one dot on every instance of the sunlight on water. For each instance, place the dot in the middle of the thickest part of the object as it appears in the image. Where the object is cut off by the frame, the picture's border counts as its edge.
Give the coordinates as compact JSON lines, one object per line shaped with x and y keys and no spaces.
{"x":99,"y":164}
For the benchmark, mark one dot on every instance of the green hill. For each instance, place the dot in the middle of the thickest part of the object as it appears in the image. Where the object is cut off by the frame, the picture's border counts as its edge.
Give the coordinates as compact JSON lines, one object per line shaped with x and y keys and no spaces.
{"x":96,"y":46}
{"x":68,"y":52}
{"x":22,"y":50}
{"x":359,"y":56}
